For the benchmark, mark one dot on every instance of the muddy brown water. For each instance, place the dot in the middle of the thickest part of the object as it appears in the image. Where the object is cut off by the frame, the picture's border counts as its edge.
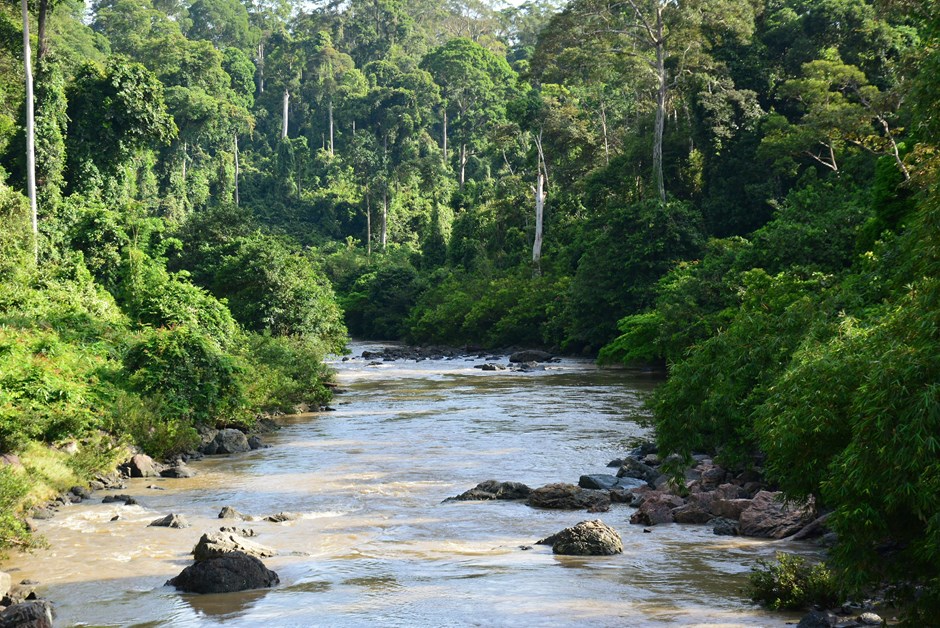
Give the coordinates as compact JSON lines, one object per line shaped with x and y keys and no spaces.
{"x":375,"y":545}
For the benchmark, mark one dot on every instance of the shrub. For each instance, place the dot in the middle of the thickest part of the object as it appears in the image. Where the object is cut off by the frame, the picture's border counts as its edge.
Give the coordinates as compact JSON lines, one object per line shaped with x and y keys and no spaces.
{"x":13,"y":488}
{"x":188,"y":375}
{"x":791,"y":584}
{"x":285,"y":371}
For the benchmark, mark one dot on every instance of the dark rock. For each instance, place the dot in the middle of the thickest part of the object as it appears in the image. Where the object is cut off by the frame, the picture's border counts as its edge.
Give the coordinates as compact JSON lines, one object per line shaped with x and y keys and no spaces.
{"x":95,"y":485}
{"x":644,"y":449}
{"x":600,"y":481}
{"x":115,"y":518}
{"x":141,"y":466}
{"x":489,"y":366}
{"x":228,"y":512}
{"x":530,"y":356}
{"x":530,"y":366}
{"x":656,"y":508}
{"x":767,"y":517}
{"x":213,"y":544}
{"x":635,"y":469}
{"x":235,"y":571}
{"x":127,"y":500}
{"x":712,"y":476}
{"x":245,"y":532}
{"x":818,"y":619}
{"x":652,"y":460}
{"x":567,"y":497}
{"x":282,"y":516}
{"x":180,"y":470}
{"x":171,"y":521}
{"x":615,"y":463}
{"x":493,"y":489}
{"x":730,"y":491}
{"x":231,"y":441}
{"x":36,"y":614}
{"x":588,"y":538}
{"x":724,"y":527}
{"x":80,"y":491}
{"x":255,"y":442}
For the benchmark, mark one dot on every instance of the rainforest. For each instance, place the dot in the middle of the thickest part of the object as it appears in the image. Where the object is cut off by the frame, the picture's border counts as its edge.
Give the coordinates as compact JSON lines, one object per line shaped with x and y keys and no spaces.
{"x":200,"y":200}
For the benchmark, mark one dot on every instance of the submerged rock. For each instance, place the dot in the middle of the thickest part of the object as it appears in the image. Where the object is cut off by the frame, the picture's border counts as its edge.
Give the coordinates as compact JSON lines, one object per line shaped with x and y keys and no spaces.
{"x":283,"y":516}
{"x":588,"y":538}
{"x":234,"y":571}
{"x":568,"y":497}
{"x":214,"y":544}
{"x":493,"y":489}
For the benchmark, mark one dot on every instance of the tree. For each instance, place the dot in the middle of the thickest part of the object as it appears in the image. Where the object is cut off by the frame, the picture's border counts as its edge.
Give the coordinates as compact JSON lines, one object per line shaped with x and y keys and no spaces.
{"x":30,"y":133}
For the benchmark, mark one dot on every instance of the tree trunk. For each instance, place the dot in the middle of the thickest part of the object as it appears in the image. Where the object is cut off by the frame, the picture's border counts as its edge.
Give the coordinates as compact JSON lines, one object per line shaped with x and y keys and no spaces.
{"x":284,"y":114}
{"x":30,"y":134}
{"x":384,"y":217}
{"x":445,"y":135}
{"x":331,"y":126}
{"x":236,"y":169}
{"x":604,"y":129}
{"x":463,"y":164}
{"x":184,"y":176}
{"x":41,"y":38}
{"x":539,"y":212}
{"x":368,"y":227}
{"x":261,"y":67}
{"x":660,"y":106}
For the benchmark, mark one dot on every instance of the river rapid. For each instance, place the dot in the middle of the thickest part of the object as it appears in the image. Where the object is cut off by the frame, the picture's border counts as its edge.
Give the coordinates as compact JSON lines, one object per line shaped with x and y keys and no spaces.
{"x":375,"y":545}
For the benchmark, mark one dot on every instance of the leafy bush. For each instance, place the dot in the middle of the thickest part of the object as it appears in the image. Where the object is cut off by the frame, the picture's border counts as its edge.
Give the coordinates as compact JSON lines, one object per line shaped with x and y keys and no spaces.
{"x":144,"y":421}
{"x":13,"y":488}
{"x":285,"y":371}
{"x":791,"y":584}
{"x":188,"y":375}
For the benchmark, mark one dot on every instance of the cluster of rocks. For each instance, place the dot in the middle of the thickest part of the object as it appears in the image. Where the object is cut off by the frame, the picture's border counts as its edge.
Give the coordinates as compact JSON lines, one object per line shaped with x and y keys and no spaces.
{"x":228,"y":441}
{"x":520,"y":360}
{"x":20,"y":607}
{"x":846,"y":618}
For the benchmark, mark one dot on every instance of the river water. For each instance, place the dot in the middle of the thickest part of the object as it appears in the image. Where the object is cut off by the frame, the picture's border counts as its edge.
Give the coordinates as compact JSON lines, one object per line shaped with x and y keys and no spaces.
{"x":375,"y":545}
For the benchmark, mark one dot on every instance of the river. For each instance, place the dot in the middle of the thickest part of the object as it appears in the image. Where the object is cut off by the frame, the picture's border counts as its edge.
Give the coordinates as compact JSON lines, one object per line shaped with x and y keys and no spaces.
{"x":375,"y":545}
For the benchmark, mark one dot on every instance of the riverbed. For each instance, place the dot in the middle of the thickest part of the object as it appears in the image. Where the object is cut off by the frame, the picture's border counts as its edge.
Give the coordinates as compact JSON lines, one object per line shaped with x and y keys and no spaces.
{"x":376,"y":545}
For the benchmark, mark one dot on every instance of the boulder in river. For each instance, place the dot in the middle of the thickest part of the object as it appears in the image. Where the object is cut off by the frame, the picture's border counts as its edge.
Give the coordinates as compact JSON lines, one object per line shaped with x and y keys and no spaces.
{"x":531,"y":355}
{"x":656,"y":508}
{"x":141,"y":466}
{"x":818,"y":619}
{"x":180,"y":470}
{"x":32,"y":614}
{"x":214,"y":544}
{"x":588,"y":538}
{"x":283,"y":516}
{"x":493,"y":489}
{"x":127,"y":500}
{"x":227,"y":441}
{"x":228,"y":512}
{"x":234,"y":571}
{"x":633,"y":468}
{"x":568,"y":497}
{"x":769,"y":517}
{"x":171,"y":521}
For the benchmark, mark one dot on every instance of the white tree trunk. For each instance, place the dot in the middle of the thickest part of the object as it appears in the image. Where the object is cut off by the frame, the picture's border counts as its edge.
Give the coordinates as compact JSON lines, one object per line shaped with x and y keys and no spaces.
{"x":368,"y":227}
{"x":261,"y":67}
{"x":463,"y":165}
{"x":30,"y":134}
{"x":604,"y":129}
{"x":384,"y":218}
{"x":331,"y":127}
{"x":539,"y":212}
{"x":445,"y":136}
{"x":236,"y":169}
{"x":284,"y":114}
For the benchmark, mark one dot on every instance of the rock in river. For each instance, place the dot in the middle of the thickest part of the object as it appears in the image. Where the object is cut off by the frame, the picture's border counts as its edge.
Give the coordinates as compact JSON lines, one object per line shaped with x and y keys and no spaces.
{"x":530,"y":356}
{"x":568,"y":497}
{"x":588,"y":538}
{"x":769,"y":517}
{"x":227,"y":441}
{"x":171,"y":521}
{"x":493,"y":489}
{"x":33,"y":614}
{"x":234,"y":571}
{"x":214,"y":544}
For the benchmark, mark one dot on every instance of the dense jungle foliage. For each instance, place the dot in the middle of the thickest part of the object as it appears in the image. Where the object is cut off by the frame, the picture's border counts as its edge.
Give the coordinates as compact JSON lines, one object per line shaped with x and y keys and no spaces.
{"x":743,"y":191}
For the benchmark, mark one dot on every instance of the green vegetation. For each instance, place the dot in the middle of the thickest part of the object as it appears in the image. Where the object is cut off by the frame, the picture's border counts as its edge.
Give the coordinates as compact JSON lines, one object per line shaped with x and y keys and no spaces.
{"x":742,"y":192}
{"x":791,"y":584}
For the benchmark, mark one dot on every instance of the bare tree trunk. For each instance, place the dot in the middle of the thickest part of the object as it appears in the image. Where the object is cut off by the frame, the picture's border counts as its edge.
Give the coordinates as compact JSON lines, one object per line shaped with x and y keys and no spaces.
{"x":384,"y":217}
{"x":445,"y":136}
{"x":284,"y":114}
{"x":539,"y":212}
{"x":41,"y":38}
{"x":184,"y":176}
{"x":236,"y":169}
{"x":368,"y":227}
{"x":261,"y":67}
{"x":331,"y":126}
{"x":463,"y":165}
{"x":660,"y":106}
{"x":30,"y":134}
{"x":604,"y":129}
